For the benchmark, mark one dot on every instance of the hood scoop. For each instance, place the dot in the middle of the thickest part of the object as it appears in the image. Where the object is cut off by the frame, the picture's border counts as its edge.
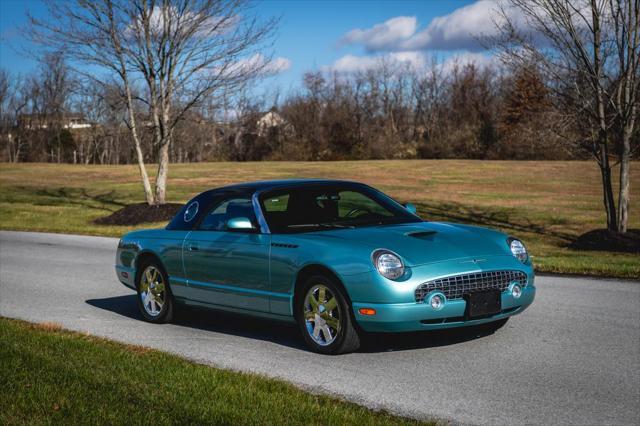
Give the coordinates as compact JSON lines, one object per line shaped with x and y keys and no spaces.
{"x":425,"y":235}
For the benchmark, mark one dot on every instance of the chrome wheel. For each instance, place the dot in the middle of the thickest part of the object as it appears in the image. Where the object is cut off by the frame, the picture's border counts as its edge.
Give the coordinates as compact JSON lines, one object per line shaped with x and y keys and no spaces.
{"x":322,"y":315}
{"x":152,"y":291}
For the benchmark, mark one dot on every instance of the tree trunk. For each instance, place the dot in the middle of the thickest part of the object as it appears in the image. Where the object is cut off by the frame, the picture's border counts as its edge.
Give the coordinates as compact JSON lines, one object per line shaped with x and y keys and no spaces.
{"x":143,"y":172}
{"x":136,"y":142}
{"x":163,"y":170}
{"x":628,"y":99}
{"x":600,"y":112}
{"x":607,"y":189}
{"x":623,"y":194}
{"x":239,"y":146}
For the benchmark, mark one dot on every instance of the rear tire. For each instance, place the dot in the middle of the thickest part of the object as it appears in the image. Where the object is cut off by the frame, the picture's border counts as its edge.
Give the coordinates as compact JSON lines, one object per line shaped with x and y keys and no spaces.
{"x":324,"y":316}
{"x":155,"y":300}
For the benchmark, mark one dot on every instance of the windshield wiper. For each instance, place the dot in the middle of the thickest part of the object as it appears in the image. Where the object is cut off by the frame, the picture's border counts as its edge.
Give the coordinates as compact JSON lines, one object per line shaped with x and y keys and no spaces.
{"x":385,"y":221}
{"x":320,"y":225}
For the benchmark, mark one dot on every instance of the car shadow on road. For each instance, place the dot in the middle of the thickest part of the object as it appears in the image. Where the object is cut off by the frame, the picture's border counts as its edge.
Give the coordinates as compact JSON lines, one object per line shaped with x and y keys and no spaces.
{"x":209,"y":320}
{"x":286,"y":334}
{"x":393,"y":342}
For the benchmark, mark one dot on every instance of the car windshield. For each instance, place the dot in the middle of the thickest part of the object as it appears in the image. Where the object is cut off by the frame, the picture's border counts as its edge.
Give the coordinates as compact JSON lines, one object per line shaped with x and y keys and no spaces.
{"x":325,"y":207}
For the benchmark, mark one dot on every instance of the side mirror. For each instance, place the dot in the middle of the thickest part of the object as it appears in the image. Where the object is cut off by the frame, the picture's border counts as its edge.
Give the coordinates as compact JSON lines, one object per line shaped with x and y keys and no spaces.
{"x":410,"y":208}
{"x":240,"y":224}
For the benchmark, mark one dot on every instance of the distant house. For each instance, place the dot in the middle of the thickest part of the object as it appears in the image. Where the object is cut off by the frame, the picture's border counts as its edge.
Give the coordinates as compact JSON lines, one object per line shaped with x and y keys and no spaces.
{"x":272,"y":120}
{"x":43,"y":121}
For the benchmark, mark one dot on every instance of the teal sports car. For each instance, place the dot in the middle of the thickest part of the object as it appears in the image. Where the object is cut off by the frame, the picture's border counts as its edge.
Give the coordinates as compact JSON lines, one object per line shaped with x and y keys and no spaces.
{"x":338,"y":258}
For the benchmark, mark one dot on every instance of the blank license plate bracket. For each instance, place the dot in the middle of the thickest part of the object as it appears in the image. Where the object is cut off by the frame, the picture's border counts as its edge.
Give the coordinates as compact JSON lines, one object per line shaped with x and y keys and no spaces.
{"x":483,"y":304}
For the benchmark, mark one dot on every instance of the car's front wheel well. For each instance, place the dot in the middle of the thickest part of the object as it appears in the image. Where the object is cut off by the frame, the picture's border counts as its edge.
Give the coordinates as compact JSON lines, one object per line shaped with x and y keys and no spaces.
{"x":149,"y":298}
{"x":144,"y":257}
{"x":316,"y":269}
{"x":345,"y":337}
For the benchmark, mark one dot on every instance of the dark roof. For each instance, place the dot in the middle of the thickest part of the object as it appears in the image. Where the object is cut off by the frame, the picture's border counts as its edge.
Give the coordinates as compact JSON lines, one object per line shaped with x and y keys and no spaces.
{"x":273,"y":184}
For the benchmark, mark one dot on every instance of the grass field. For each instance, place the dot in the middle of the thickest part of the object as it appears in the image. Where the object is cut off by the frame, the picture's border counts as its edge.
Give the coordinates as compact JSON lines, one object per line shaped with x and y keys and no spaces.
{"x":547,"y":204}
{"x":52,"y":376}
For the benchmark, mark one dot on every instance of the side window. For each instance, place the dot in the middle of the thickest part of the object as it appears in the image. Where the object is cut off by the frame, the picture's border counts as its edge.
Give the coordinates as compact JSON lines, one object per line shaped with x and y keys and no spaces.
{"x":216,"y":219}
{"x":277,"y":203}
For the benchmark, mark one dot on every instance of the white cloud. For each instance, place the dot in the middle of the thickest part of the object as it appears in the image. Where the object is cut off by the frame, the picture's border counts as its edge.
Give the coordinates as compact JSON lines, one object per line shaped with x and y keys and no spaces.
{"x":467,"y":58}
{"x":259,"y":61}
{"x":460,"y":29}
{"x":383,"y":36}
{"x":178,"y":21}
{"x":278,"y":65}
{"x":352,"y":63}
{"x":413,"y":60}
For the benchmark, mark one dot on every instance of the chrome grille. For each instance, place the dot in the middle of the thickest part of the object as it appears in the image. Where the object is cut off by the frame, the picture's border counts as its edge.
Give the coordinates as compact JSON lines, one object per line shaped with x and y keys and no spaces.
{"x":455,"y":287}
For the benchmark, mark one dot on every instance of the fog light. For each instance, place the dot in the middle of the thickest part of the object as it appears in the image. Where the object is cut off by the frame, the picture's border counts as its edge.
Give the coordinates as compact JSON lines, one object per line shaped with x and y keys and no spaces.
{"x":516,"y":291}
{"x":436,"y":301}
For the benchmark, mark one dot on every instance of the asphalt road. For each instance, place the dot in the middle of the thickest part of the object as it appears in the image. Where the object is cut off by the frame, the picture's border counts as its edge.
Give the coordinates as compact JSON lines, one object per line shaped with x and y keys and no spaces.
{"x":572,"y":358}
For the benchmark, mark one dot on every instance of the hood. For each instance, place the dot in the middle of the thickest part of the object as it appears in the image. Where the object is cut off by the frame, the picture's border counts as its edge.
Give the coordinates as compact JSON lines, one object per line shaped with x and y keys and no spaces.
{"x":427,"y":242}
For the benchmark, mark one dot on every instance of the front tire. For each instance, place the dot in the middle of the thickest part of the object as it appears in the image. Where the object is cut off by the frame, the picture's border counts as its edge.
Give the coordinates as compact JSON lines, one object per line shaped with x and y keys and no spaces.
{"x":324,"y":316}
{"x":155,"y":300}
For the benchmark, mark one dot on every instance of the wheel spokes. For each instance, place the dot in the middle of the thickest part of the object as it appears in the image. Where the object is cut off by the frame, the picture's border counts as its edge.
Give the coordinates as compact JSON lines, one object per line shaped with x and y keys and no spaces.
{"x":145,"y":297}
{"x":326,"y":331}
{"x":152,"y":291}
{"x":158,"y":303}
{"x":321,"y":294}
{"x":331,"y":304}
{"x":332,"y":322}
{"x":313,"y":302}
{"x":321,"y":315}
{"x":316,"y":330}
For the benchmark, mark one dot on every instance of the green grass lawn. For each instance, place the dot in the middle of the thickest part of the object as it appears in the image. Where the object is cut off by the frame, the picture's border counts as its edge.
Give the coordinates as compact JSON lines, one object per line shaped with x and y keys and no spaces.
{"x":52,"y":376}
{"x":547,"y":204}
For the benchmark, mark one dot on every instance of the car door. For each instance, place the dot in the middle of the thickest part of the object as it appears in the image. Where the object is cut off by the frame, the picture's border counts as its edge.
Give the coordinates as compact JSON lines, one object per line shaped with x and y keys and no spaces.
{"x":228,"y":268}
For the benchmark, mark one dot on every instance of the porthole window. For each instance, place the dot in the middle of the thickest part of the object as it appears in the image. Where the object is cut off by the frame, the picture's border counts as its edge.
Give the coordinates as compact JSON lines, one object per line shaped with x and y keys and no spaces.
{"x":191,"y":211}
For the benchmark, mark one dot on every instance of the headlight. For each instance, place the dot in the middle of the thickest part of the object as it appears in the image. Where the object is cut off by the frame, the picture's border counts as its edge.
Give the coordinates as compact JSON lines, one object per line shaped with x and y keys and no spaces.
{"x":388,"y":264}
{"x":518,"y":249}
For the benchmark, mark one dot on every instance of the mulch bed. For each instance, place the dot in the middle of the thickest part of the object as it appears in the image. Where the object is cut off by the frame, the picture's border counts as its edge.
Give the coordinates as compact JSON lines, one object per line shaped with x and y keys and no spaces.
{"x":135,"y":214}
{"x":604,"y":240}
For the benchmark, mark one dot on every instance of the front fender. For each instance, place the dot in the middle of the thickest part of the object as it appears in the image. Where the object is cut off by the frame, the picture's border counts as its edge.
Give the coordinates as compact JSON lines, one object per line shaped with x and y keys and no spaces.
{"x":165,"y":245}
{"x":126,"y":255}
{"x":292,"y":253}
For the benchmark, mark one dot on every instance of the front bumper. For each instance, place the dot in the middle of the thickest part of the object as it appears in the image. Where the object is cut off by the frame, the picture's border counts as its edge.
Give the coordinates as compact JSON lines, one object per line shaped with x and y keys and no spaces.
{"x":401,"y":317}
{"x":126,"y":276}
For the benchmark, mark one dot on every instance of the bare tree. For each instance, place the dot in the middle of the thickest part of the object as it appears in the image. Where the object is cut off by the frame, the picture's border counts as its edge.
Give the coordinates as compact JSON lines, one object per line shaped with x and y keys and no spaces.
{"x":32,"y":111}
{"x":170,"y":55}
{"x":54,"y":84}
{"x":590,"y":52}
{"x":11,"y":105}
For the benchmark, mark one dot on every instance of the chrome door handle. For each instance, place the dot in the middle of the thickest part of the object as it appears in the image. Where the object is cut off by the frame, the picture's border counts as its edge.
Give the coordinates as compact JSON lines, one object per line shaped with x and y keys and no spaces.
{"x":193,"y":247}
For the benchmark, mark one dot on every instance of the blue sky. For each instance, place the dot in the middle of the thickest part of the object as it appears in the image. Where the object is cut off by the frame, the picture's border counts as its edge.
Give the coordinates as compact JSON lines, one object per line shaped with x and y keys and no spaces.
{"x":341,"y":35}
